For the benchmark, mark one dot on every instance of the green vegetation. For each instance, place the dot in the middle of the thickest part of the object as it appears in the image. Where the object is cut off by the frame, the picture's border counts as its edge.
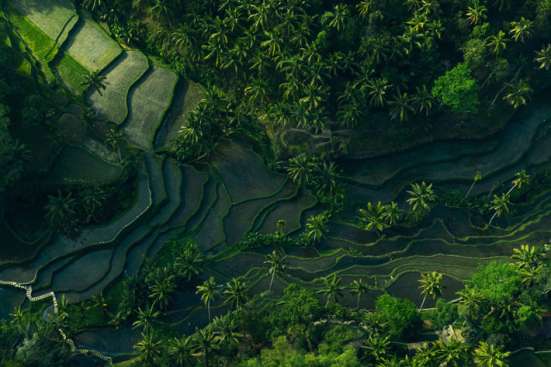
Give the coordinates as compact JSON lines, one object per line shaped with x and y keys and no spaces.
{"x":457,"y":90}
{"x":274,"y":183}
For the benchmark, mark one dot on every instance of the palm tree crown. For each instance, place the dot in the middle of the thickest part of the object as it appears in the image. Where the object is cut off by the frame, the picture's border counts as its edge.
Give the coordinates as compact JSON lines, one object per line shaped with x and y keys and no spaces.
{"x":489,"y":355}
{"x":430,"y":285}
{"x":236,"y":292}
{"x":276,"y":264}
{"x":208,"y":291}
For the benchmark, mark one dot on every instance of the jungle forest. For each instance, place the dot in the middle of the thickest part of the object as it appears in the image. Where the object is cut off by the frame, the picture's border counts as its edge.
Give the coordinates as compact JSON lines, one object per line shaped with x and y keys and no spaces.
{"x":275,"y":183}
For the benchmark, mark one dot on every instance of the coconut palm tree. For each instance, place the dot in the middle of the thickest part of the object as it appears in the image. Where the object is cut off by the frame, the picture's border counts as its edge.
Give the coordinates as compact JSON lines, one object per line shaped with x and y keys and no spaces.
{"x":180,"y":351}
{"x":300,"y":169}
{"x":377,"y":346}
{"x":359,"y":288}
{"x":96,"y":81}
{"x":543,"y":57}
{"x":423,"y":100}
{"x":489,"y":355}
{"x":160,"y":292}
{"x":477,"y":178}
{"x":60,"y":209}
{"x":316,"y":228}
{"x":518,"y":93}
{"x":208,"y":291}
{"x":149,"y":348}
{"x":276,"y":265}
{"x":476,"y":12}
{"x":204,"y":345}
{"x":521,"y":30}
{"x":92,"y":199}
{"x":527,"y":257}
{"x":377,"y":91}
{"x":421,"y":197}
{"x":430,"y":285}
{"x":498,"y":42}
{"x":236,"y":292}
{"x":225,"y":333}
{"x":144,"y":318}
{"x":190,"y":262}
{"x":522,"y":178}
{"x":400,"y":106}
{"x":331,"y":288}
{"x":392,"y":213}
{"x":500,"y":206}
{"x":373,"y":217}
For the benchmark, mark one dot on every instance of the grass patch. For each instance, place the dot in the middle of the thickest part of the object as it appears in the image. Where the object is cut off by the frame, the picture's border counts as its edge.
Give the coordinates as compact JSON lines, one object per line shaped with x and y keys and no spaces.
{"x":54,"y":17}
{"x":41,"y":46}
{"x":73,"y":74}
{"x":92,"y":47}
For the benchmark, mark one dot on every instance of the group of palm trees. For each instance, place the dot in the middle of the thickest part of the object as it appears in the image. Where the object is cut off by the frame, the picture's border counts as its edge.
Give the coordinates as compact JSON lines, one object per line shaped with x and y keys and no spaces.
{"x":379,"y":217}
{"x":500,"y":204}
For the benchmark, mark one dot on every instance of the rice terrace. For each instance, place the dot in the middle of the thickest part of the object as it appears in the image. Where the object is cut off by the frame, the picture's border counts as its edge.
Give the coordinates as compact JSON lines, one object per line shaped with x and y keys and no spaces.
{"x":262,"y":183}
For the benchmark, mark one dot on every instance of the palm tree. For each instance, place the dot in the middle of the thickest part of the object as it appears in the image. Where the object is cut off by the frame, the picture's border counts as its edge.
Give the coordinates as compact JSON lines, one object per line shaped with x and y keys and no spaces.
{"x":114,"y":139}
{"x":92,"y":199}
{"x":205,"y":345}
{"x":423,"y":100}
{"x":149,"y":348}
{"x":189,"y":263}
{"x":316,"y":228}
{"x":476,"y":12}
{"x":518,"y":93}
{"x":225,"y":333}
{"x":276,"y":264}
{"x":421,"y":197}
{"x":498,"y":42}
{"x":430,"y":285}
{"x":161,"y":290}
{"x":477,"y":178}
{"x":543,"y":57}
{"x":236,"y":292}
{"x":180,"y":351}
{"x":331,"y":288}
{"x":377,"y":90}
{"x":522,"y":178}
{"x":373,"y":217}
{"x":208,"y":291}
{"x":521,"y":30}
{"x":359,"y":288}
{"x":378,"y":346}
{"x":527,"y":257}
{"x":145,"y":317}
{"x":392,"y":213}
{"x":500,"y":206}
{"x":300,"y":169}
{"x":489,"y":355}
{"x":95,"y":81}
{"x":400,"y":106}
{"x":60,"y":209}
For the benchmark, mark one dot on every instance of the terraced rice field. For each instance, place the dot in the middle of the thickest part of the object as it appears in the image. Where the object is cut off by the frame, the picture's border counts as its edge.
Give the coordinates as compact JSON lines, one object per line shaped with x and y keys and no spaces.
{"x":219,"y":202}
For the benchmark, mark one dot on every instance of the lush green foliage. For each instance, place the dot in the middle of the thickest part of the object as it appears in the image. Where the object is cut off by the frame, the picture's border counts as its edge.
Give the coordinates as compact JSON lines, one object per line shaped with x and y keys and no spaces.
{"x":457,"y":89}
